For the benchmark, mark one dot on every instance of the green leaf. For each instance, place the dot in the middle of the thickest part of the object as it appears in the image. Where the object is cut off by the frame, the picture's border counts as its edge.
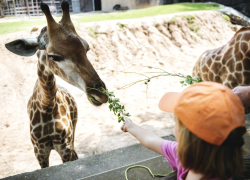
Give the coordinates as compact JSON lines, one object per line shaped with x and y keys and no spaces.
{"x":122,"y":119}
{"x":111,"y":94}
{"x":196,"y":79}
{"x":188,"y":80}
{"x":126,"y":114}
{"x":115,"y":100}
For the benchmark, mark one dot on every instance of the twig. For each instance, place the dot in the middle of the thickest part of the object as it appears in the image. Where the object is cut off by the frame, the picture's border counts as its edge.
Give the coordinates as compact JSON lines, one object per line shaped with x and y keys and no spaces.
{"x":187,"y":81}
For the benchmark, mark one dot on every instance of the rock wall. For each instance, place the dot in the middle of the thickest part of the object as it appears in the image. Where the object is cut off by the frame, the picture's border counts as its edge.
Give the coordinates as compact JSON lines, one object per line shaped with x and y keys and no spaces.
{"x":153,"y":40}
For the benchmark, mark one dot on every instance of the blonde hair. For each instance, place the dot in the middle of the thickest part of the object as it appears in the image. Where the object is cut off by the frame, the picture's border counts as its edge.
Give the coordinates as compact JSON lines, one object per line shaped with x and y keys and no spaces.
{"x":211,"y":161}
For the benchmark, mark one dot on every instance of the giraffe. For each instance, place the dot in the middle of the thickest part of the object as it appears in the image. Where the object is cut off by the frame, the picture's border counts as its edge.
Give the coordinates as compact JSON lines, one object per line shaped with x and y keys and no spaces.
{"x":228,"y":64}
{"x":51,"y":109}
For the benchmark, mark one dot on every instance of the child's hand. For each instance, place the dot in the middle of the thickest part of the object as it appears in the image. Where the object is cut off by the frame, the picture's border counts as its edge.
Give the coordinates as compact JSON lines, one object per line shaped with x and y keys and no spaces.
{"x":128,"y":123}
{"x":243,"y":92}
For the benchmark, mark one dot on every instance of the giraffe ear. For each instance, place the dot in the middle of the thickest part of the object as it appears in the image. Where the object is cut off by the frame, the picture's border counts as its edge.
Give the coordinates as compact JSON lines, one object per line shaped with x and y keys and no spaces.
{"x":23,"y":47}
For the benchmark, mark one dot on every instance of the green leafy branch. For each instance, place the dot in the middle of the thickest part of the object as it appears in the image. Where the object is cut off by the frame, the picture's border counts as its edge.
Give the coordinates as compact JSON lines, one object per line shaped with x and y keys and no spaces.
{"x":188,"y":80}
{"x":118,"y":110}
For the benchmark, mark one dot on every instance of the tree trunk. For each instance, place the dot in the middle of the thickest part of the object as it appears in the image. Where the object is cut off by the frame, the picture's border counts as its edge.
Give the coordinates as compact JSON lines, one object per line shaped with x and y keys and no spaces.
{"x":1,"y":10}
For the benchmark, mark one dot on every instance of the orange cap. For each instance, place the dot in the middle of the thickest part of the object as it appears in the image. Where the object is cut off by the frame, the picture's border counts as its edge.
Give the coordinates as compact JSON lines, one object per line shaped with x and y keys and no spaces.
{"x":209,"y":110}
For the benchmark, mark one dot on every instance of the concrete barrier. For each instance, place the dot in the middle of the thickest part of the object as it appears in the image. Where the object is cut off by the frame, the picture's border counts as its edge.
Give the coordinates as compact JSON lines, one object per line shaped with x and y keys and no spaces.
{"x":111,"y":165}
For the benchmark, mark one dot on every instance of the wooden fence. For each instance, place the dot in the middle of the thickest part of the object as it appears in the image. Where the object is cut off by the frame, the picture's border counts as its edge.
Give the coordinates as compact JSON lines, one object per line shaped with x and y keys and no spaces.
{"x":30,"y":7}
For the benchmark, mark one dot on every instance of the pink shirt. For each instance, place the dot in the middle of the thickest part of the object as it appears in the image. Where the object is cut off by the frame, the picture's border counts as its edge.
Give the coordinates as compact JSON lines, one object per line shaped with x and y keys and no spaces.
{"x":168,"y":149}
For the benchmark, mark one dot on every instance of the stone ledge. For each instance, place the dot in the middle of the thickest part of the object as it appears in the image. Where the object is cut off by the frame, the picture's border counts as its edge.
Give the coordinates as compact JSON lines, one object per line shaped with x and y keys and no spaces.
{"x":158,"y":165}
{"x":111,"y":165}
{"x":94,"y":165}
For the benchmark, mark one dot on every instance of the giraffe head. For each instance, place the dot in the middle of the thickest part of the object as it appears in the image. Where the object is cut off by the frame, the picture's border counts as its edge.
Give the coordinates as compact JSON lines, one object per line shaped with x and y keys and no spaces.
{"x":64,"y":53}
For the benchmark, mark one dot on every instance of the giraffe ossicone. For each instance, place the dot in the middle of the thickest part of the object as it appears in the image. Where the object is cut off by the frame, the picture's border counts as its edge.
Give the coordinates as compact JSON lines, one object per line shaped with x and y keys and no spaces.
{"x":51,"y":109}
{"x":228,"y":64}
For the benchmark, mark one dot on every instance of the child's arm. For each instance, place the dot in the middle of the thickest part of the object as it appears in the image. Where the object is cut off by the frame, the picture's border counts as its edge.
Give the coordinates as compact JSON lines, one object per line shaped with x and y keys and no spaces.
{"x":147,"y":138}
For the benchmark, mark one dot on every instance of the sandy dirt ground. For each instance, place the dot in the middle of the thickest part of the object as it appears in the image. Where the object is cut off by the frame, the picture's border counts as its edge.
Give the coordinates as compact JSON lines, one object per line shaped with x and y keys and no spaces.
{"x":116,"y":47}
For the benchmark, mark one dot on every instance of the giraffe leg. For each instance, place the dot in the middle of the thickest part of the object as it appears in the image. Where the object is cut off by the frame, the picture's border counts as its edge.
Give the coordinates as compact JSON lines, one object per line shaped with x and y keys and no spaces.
{"x":74,"y":117}
{"x":74,"y":154}
{"x":66,"y":152}
{"x":42,"y":156}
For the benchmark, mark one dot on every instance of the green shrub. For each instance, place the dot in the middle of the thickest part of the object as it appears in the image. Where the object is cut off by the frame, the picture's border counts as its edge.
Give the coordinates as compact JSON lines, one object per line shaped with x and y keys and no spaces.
{"x":172,"y":21}
{"x":190,"y":18}
{"x":194,"y":27}
{"x":94,"y":33}
{"x":226,"y":17}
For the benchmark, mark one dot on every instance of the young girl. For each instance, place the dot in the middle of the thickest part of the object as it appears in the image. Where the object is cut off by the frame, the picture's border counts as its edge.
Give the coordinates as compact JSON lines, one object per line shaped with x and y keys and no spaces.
{"x":209,"y":128}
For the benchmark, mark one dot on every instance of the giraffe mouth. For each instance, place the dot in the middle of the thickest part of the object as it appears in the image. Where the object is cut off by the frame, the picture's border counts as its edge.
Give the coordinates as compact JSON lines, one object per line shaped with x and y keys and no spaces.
{"x":94,"y":101}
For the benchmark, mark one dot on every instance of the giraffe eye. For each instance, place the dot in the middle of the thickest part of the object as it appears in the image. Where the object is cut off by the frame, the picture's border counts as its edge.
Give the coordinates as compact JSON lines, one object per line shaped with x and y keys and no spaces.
{"x":56,"y":58}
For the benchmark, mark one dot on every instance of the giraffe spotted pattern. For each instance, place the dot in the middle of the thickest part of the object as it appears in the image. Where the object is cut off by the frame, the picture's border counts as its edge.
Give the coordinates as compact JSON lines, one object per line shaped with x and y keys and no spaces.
{"x":53,"y":116}
{"x":229,"y":64}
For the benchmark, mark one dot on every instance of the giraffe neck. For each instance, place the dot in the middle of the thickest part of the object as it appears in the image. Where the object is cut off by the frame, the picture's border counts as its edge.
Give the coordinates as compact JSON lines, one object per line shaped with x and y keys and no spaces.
{"x":46,"y":86}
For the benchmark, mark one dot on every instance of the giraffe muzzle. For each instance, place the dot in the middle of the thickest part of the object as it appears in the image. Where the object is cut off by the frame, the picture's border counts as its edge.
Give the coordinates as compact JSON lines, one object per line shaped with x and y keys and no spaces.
{"x":94,"y":101}
{"x":97,"y":98}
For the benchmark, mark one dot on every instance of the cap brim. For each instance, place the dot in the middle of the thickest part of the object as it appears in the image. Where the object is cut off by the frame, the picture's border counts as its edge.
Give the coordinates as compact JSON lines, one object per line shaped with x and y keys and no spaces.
{"x":169,"y":101}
